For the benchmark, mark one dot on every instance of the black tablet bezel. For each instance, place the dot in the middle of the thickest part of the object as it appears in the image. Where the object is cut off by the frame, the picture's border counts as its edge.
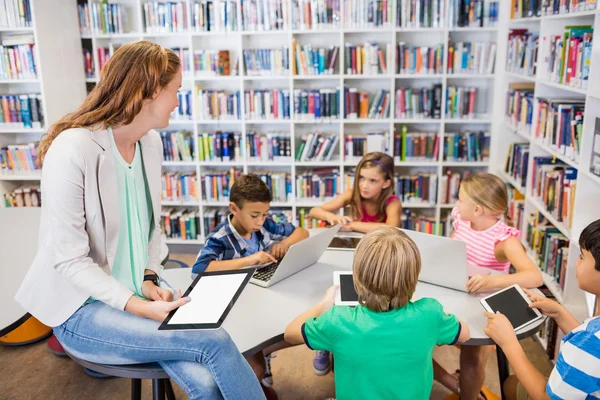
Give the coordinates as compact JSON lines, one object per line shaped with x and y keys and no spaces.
{"x":247,"y":271}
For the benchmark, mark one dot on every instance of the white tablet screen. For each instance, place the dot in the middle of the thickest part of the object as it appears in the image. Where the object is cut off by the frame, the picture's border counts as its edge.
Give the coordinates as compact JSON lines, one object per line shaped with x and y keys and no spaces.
{"x":210,"y":298}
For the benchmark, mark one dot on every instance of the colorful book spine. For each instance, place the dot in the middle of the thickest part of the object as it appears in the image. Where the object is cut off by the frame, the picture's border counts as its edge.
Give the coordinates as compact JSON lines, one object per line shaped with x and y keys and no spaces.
{"x":178,"y":146}
{"x":27,"y":196}
{"x":267,"y":104}
{"x":367,"y":59}
{"x":268,"y":147}
{"x":420,"y":14}
{"x":212,"y":217}
{"x":319,"y":184}
{"x":177,"y":223}
{"x":88,"y":63}
{"x":357,"y":145}
{"x":526,"y":8}
{"x":179,"y":186}
{"x":308,"y":61}
{"x":213,"y":63}
{"x":215,"y":185}
{"x":15,"y":14}
{"x":360,"y":14}
{"x":519,"y":107}
{"x":21,"y":111}
{"x":218,"y":105}
{"x":165,"y":16}
{"x":522,"y":52}
{"x":184,"y":110}
{"x":316,"y":105}
{"x":18,"y":62}
{"x":552,"y":7}
{"x":265,"y":15}
{"x":569,"y":56}
{"x":517,"y":162}
{"x":214,"y":16}
{"x":467,"y":146}
{"x":267,"y":62}
{"x":184,"y":57}
{"x":450,"y":184}
{"x":421,"y":223}
{"x":317,"y":146}
{"x":516,"y":206}
{"x":316,"y":14}
{"x":19,"y":159}
{"x":412,"y":103}
{"x":554,"y":185}
{"x":220,"y":146}
{"x":416,"y":146}
{"x":473,"y":13}
{"x":359,"y":106}
{"x":85,"y":22}
{"x":303,"y":220}
{"x":461,"y":102}
{"x":417,"y":189}
{"x":279,"y":183}
{"x":475,"y":58}
{"x":108,"y":18}
{"x":421,"y":60}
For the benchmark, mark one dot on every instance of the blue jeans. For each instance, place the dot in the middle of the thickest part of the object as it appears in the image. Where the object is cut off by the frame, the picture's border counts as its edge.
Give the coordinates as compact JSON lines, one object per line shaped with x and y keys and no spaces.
{"x":205,"y":363}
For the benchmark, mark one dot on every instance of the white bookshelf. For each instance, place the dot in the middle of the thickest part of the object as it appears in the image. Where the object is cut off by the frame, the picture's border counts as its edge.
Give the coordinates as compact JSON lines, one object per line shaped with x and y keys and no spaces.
{"x":60,"y":77}
{"x":587,"y":195}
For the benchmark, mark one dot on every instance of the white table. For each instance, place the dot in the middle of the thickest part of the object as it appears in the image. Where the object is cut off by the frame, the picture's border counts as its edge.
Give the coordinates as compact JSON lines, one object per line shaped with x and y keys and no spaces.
{"x":260,"y":316}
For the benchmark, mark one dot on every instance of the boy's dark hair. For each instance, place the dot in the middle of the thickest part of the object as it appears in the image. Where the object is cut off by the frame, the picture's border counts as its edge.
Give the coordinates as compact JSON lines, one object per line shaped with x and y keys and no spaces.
{"x":251,"y":188}
{"x":590,"y":240}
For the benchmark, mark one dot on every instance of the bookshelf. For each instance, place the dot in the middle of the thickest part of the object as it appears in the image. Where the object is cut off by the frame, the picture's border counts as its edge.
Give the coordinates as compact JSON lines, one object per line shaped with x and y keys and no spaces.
{"x":51,"y":27}
{"x":507,"y":132}
{"x":338,"y":33}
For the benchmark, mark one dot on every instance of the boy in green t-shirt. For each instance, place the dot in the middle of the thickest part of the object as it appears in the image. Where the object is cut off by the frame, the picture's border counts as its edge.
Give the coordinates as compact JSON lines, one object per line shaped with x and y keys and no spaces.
{"x":383,"y":347}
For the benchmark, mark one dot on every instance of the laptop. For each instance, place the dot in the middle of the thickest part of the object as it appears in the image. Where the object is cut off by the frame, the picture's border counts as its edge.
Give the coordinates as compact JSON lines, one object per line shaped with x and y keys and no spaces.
{"x":298,"y":257}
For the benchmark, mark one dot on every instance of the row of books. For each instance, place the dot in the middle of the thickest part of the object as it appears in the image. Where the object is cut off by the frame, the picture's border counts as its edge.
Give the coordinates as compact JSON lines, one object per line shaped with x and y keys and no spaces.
{"x":218,"y":105}
{"x":367,"y":13}
{"x":179,"y":186}
{"x":449,"y":185}
{"x":460,"y":102}
{"x":267,"y":104}
{"x":315,"y":14}
{"x":467,"y":146}
{"x":19,"y":159}
{"x":367,"y":59}
{"x":212,"y":62}
{"x":356,"y":146}
{"x":306,"y":222}
{"x":320,"y":183}
{"x":522,"y":52}
{"x":180,"y":223}
{"x":267,"y":62}
{"x":356,"y":105}
{"x":516,"y":206}
{"x":519,"y":106}
{"x":420,"y":13}
{"x":316,"y":146}
{"x":264,"y":15}
{"x":419,"y":103}
{"x":178,"y":146}
{"x":416,"y":146}
{"x":21,"y":111}
{"x":102,"y":18}
{"x":27,"y":196}
{"x":269,"y":147}
{"x":417,"y":189}
{"x":538,"y":8}
{"x":307,"y":60}
{"x":184,"y":110}
{"x":471,"y":58}
{"x":422,"y":223}
{"x":322,"y":104}
{"x":549,"y":246}
{"x":17,"y":61}
{"x":165,"y":16}
{"x":419,"y":59}
{"x":215,"y":185}
{"x":517,"y":162}
{"x":220,"y":146}
{"x":15,"y":14}
{"x":569,"y":56}
{"x":214,"y":16}
{"x":554,"y":185}
{"x":280,"y":184}
{"x":473,"y":13}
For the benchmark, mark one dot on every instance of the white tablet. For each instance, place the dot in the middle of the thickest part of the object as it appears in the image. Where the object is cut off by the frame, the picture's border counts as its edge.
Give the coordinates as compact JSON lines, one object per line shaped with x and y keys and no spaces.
{"x":345,"y":295}
{"x":513,"y":303}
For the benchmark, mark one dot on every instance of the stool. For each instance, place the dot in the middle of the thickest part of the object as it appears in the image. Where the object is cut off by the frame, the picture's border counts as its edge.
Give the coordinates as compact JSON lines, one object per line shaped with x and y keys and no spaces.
{"x":161,"y":384}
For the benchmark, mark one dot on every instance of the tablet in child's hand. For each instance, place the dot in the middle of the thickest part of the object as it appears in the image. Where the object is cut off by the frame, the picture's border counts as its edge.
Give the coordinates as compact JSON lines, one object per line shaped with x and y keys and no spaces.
{"x":346,"y":294}
{"x":513,"y":303}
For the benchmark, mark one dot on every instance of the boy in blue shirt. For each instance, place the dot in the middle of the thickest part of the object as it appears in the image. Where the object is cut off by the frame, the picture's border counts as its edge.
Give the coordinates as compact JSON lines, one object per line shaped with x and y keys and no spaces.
{"x":249,"y":237}
{"x":577,"y":371}
{"x":383,"y":347}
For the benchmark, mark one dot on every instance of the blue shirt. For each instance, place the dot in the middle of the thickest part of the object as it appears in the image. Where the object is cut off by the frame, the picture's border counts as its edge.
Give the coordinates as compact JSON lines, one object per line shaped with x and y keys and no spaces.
{"x":225,"y":243}
{"x":252,"y":244}
{"x":577,"y":371}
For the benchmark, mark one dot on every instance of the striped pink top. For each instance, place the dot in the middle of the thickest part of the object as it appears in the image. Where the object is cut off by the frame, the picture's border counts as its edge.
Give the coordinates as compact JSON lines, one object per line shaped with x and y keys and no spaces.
{"x":481,"y":244}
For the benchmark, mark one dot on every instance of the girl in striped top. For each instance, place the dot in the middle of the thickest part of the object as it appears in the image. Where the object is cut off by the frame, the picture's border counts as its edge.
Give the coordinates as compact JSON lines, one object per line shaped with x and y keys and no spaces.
{"x":481,"y":221}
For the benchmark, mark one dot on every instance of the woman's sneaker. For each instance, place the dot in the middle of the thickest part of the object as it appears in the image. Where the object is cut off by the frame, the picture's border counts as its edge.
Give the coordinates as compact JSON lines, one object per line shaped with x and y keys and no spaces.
{"x":321,"y":363}
{"x":267,"y":379}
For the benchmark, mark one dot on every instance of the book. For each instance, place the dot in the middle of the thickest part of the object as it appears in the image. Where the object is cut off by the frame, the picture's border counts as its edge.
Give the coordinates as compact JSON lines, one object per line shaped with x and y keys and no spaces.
{"x":21,"y":111}
{"x":412,"y":60}
{"x":412,"y":103}
{"x":475,"y":58}
{"x":217,"y":105}
{"x":178,"y":145}
{"x":25,"y":196}
{"x":275,"y":146}
{"x":420,"y":14}
{"x":315,"y":14}
{"x":164,"y":16}
{"x":522,"y":52}
{"x":180,"y":223}
{"x":267,"y":104}
{"x":215,"y":184}
{"x":321,"y":184}
{"x":266,"y":62}
{"x":179,"y":186}
{"x":214,"y":16}
{"x":264,"y":15}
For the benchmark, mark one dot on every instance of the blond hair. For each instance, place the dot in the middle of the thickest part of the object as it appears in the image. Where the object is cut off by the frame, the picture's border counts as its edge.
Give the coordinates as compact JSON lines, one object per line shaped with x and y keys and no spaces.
{"x":373,"y":160}
{"x":386,"y":268}
{"x":488,"y":191}
{"x":133,"y":74}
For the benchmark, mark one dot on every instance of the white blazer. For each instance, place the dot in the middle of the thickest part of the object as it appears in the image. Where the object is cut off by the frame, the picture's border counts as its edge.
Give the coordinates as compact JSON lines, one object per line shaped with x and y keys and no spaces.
{"x":79,"y":226}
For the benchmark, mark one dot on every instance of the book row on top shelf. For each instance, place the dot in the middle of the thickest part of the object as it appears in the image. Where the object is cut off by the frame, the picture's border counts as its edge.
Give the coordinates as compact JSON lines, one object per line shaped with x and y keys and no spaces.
{"x":521,"y":9}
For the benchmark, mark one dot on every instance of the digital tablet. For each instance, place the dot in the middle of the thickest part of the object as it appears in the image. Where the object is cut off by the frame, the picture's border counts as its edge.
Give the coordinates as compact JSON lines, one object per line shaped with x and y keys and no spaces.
{"x":513,"y":303}
{"x":213,"y":295}
{"x":343,"y":243}
{"x":346,"y":294}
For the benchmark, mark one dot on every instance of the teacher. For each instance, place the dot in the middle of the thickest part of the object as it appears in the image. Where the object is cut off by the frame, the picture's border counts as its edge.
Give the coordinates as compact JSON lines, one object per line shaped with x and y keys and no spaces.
{"x":94,"y":278}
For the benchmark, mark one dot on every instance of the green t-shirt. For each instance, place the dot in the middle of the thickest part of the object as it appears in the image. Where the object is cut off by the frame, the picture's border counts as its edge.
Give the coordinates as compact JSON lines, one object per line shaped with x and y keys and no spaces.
{"x":385,"y":355}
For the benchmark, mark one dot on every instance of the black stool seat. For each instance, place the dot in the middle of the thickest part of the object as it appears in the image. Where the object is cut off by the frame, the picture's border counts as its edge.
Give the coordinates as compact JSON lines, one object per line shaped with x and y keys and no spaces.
{"x":161,"y":384}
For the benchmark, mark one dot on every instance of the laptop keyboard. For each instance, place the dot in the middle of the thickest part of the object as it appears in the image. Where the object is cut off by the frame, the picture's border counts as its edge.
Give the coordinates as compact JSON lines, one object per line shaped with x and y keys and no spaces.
{"x":265,"y":274}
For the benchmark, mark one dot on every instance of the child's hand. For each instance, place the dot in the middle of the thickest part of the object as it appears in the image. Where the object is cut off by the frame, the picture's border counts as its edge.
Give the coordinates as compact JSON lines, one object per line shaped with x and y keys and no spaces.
{"x":338,"y":219}
{"x":546,"y":306}
{"x":349,"y":227}
{"x":478,"y":283}
{"x":261,"y":258}
{"x":329,"y":298}
{"x":500,"y":330}
{"x":279,"y":249}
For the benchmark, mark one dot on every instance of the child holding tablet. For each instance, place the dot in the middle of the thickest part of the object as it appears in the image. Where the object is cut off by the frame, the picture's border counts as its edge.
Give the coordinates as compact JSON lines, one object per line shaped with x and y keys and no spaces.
{"x":386,"y":326}
{"x":577,"y":371}
{"x":481,"y":221}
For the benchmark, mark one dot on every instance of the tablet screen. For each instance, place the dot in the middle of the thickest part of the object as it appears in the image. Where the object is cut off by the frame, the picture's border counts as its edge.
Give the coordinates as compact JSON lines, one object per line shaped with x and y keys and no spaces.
{"x":510,"y":303}
{"x":347,"y":288}
{"x":344,"y":243}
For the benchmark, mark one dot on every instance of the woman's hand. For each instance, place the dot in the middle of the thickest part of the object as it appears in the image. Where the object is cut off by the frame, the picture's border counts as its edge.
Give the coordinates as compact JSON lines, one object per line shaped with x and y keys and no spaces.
{"x":478,"y":283}
{"x":500,"y":330}
{"x":155,"y":293}
{"x":158,"y":310}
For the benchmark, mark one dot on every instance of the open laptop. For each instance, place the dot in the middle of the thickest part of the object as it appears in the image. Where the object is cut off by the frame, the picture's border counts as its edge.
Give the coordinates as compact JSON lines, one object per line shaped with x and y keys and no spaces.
{"x":298,"y":257}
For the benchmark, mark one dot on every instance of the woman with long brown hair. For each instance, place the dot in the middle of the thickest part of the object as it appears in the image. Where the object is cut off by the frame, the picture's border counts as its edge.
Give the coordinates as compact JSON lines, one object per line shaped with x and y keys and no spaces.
{"x":94,"y":278}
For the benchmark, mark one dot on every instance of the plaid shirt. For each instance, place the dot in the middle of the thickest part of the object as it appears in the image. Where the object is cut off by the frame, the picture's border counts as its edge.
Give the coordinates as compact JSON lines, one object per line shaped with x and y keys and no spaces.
{"x":225,"y":243}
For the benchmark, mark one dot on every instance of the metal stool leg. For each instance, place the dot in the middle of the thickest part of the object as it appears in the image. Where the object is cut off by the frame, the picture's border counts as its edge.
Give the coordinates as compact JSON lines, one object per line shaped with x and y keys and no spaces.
{"x":136,"y":389}
{"x":169,"y":390}
{"x":158,"y":389}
